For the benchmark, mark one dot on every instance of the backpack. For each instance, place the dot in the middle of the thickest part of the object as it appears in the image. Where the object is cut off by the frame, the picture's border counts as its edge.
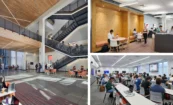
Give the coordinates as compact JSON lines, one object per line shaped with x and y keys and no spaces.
{"x":105,"y":48}
{"x":102,"y":88}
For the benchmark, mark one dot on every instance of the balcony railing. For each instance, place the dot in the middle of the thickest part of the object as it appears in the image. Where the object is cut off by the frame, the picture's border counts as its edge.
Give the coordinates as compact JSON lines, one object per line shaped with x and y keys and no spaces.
{"x":73,"y":6}
{"x":69,"y":50}
{"x":64,"y":28}
{"x":18,"y":29}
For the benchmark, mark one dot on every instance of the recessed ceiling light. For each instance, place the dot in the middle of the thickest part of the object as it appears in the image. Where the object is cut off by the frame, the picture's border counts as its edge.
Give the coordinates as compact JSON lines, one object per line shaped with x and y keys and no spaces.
{"x":128,"y":4}
{"x":150,"y":7}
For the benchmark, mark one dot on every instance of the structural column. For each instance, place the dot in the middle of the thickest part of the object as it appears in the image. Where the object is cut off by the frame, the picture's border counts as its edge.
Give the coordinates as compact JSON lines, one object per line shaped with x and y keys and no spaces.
{"x":164,"y":22}
{"x":42,"y":48}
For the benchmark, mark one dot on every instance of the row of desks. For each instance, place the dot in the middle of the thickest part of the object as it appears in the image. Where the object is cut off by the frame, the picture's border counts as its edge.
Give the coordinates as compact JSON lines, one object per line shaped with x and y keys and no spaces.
{"x":137,"y":99}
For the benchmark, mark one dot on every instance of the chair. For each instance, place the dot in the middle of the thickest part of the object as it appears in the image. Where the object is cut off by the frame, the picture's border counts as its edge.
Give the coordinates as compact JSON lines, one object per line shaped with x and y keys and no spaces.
{"x":47,"y":72}
{"x":53,"y":71}
{"x":83,"y":74}
{"x":71,"y":73}
{"x":142,"y":91}
{"x":156,"y":97}
{"x":139,"y":37}
{"x":106,"y":94}
{"x":114,"y":43}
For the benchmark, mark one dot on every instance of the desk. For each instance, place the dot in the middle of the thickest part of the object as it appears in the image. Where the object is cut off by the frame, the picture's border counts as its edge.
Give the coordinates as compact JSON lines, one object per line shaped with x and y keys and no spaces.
{"x":137,"y":99}
{"x":163,"y":42}
{"x":6,"y":93}
{"x":119,"y":39}
{"x":169,"y":91}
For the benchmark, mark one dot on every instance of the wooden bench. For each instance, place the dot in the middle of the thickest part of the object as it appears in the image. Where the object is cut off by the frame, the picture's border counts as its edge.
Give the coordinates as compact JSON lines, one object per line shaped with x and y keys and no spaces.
{"x":132,"y":39}
{"x":101,"y":44}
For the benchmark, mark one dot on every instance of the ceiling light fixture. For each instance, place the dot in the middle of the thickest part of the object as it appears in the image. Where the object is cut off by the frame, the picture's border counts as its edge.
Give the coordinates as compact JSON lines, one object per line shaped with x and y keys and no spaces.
{"x":128,"y":4}
{"x":99,"y":60}
{"x":136,"y":61}
{"x":147,"y":63}
{"x":119,"y":60}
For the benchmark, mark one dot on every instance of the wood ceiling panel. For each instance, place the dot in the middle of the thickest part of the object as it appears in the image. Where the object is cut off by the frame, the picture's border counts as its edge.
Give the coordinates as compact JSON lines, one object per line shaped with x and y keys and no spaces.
{"x":4,"y":10}
{"x":27,"y":9}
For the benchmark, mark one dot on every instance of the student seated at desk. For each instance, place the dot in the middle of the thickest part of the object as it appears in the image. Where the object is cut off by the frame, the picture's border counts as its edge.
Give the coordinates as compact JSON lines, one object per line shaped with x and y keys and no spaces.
{"x":109,"y":87}
{"x":105,"y":79}
{"x":158,"y":88}
{"x":146,"y":85}
{"x":164,"y":79}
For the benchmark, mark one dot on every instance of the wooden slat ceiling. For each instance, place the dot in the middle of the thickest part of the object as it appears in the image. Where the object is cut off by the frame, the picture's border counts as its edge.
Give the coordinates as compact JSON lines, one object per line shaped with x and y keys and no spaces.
{"x":28,"y":10}
{"x":18,"y":46}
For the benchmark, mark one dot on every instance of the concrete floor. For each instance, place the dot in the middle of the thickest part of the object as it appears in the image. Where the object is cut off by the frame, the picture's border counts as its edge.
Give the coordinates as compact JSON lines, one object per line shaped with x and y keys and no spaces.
{"x":97,"y":96}
{"x":41,"y":89}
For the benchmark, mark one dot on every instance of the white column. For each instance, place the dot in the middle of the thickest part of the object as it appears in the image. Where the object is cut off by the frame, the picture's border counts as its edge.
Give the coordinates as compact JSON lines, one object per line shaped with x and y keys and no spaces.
{"x":42,"y":49}
{"x":164,"y":22}
{"x":16,"y":57}
{"x":24,"y":60}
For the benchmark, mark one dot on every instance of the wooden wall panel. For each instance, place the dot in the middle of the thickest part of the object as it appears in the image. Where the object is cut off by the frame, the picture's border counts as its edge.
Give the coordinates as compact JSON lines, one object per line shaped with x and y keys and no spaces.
{"x":106,"y":16}
{"x":106,"y":20}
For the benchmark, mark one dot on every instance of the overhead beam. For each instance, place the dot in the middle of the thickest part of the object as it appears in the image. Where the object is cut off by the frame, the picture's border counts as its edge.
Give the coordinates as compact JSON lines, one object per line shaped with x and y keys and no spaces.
{"x":7,"y":44}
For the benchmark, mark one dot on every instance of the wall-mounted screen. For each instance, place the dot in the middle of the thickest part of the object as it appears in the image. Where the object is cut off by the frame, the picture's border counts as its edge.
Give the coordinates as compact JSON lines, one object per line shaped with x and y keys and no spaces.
{"x":154,"y":67}
{"x":123,"y":71}
{"x":106,"y":72}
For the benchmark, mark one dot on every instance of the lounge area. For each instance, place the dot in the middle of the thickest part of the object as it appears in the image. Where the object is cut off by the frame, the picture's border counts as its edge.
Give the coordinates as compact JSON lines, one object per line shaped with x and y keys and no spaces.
{"x":128,"y":24}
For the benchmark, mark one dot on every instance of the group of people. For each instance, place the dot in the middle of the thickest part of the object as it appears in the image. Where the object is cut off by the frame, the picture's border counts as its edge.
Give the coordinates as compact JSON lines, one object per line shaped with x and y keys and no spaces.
{"x":78,"y":71}
{"x":137,"y":81}
{"x":149,"y":32}
{"x":77,"y":49}
{"x":38,"y":67}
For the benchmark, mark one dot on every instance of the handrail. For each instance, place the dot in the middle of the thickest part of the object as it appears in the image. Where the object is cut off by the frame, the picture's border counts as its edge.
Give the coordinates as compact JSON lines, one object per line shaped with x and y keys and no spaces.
{"x":70,"y":50}
{"x":73,"y":6}
{"x":66,"y":26}
{"x":18,"y":29}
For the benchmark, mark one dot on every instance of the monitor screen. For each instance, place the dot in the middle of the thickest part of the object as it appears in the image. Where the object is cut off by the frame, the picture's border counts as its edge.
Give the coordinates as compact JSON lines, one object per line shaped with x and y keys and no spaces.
{"x":153,"y":67}
{"x":106,"y":72}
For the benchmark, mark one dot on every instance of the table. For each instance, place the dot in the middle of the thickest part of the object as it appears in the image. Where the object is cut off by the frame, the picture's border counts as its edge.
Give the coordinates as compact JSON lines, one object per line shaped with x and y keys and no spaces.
{"x":137,"y":99}
{"x":169,"y":91}
{"x":119,"y":39}
{"x":6,"y":93}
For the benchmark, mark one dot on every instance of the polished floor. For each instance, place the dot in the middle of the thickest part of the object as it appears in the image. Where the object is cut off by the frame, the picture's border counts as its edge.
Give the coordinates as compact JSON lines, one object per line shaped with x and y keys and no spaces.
{"x":41,"y":89}
{"x":97,"y":96}
{"x":139,"y":47}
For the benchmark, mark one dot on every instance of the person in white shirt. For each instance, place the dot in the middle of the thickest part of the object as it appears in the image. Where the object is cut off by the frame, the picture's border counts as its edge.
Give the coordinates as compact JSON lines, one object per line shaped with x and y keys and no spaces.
{"x":171,"y":32}
{"x":110,"y":36}
{"x":135,"y":33}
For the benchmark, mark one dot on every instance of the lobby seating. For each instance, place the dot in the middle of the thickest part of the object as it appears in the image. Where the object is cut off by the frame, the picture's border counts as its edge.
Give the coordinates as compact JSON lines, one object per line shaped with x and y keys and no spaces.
{"x":101,"y":44}
{"x":53,"y":71}
{"x":83,"y":74}
{"x":71,"y":73}
{"x":131,"y":39}
{"x":50,"y":71}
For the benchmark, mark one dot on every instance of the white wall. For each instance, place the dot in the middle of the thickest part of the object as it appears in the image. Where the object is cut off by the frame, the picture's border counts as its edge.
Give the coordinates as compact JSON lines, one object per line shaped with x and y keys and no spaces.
{"x":55,"y":56}
{"x":169,"y":24}
{"x":163,"y":68}
{"x":151,"y":20}
{"x":78,"y":36}
{"x":78,"y":63}
{"x":32,"y":58}
{"x":112,"y":69}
